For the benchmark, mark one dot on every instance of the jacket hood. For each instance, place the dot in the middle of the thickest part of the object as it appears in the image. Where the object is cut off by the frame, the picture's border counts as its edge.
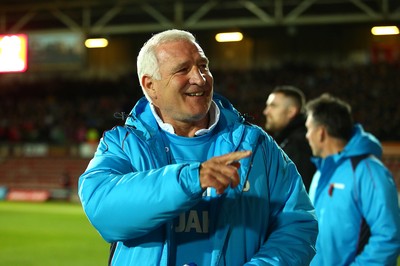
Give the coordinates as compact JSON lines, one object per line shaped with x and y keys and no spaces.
{"x":362,"y":143}
{"x":142,"y":119}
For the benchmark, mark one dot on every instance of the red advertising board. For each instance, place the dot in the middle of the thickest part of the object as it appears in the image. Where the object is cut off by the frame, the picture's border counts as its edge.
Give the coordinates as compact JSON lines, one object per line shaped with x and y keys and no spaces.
{"x":28,"y":195}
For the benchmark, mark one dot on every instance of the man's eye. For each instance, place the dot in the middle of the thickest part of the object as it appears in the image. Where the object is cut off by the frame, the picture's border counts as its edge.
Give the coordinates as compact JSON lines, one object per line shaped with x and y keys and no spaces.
{"x":183,"y":70}
{"x":204,"y":67}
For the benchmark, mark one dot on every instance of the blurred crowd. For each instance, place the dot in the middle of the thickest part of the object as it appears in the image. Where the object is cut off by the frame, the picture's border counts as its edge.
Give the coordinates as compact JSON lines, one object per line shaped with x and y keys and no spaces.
{"x":65,"y":111}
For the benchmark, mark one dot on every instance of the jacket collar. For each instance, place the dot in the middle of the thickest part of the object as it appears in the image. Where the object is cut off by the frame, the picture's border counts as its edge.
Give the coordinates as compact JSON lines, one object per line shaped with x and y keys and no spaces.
{"x":142,"y":119}
{"x":214,"y":118}
{"x":297,"y":122}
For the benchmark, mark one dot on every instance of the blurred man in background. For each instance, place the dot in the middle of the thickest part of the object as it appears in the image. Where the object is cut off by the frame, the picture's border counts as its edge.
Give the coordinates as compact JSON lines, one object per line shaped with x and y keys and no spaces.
{"x":285,"y":119}
{"x":188,"y":181}
{"x":354,"y":194}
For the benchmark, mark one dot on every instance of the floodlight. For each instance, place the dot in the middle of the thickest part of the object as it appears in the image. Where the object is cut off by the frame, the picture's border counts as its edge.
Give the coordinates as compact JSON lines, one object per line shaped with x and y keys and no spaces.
{"x":96,"y":43}
{"x":385,"y":30}
{"x":13,"y":53}
{"x":229,"y":37}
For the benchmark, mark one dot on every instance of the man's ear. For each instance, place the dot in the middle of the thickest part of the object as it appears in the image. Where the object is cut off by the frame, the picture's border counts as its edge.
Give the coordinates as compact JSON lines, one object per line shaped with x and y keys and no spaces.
{"x":322,"y":133}
{"x":148,"y":85}
{"x":292,"y":111}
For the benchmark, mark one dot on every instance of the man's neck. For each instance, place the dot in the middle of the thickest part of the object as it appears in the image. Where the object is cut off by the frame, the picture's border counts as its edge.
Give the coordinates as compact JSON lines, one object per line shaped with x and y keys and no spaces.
{"x":189,"y":130}
{"x":186,"y":129}
{"x":334,"y":146}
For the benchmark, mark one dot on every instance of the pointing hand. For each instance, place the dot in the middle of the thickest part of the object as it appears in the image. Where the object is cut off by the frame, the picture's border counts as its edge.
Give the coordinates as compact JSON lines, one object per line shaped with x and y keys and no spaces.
{"x":222,"y":171}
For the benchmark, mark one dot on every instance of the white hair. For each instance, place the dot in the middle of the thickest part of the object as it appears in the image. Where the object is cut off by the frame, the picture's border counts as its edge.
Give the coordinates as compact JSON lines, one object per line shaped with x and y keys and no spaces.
{"x":147,"y":63}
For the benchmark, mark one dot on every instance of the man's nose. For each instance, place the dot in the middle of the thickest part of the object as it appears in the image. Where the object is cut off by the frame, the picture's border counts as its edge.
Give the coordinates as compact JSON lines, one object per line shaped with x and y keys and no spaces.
{"x":266,"y":110}
{"x":197,"y":77}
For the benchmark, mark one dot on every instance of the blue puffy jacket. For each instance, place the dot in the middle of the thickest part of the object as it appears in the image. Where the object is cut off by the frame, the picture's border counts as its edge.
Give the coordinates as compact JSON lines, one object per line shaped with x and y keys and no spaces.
{"x":357,"y":207}
{"x":131,"y":193}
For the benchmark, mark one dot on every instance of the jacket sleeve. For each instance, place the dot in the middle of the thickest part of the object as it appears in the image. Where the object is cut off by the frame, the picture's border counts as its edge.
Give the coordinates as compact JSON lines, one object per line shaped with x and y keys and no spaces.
{"x":293,"y":226}
{"x":123,"y":202}
{"x":379,"y":205}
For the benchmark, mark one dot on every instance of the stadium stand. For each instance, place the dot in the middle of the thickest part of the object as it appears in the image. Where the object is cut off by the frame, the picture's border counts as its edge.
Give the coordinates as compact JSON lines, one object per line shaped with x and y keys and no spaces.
{"x":63,"y":116}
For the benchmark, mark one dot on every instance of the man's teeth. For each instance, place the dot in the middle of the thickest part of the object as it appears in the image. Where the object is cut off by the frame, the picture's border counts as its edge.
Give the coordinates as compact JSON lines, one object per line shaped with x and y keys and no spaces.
{"x":196,"y":94}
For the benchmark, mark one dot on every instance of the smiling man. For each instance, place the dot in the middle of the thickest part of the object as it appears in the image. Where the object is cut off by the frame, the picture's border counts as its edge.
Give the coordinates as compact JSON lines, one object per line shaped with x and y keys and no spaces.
{"x":182,"y":95}
{"x":187,"y":181}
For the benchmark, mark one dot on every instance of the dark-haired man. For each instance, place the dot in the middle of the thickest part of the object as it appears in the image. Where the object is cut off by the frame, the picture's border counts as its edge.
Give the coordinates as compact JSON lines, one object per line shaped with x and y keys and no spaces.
{"x":354,"y":194}
{"x":285,"y":118}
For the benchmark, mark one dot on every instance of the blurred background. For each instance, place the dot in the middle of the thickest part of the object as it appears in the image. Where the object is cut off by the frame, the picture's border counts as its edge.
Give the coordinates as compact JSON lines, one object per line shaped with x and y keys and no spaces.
{"x":57,"y":95}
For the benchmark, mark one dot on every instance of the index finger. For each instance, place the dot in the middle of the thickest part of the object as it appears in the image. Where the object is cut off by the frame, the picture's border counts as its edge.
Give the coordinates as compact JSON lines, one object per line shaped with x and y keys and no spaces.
{"x":235,"y":156}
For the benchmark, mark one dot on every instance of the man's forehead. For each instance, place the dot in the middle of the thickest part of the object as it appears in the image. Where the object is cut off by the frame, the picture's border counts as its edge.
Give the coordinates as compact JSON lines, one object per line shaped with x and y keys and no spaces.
{"x":271,"y":98}
{"x":276,"y":98}
{"x":163,"y":49}
{"x":310,"y":119}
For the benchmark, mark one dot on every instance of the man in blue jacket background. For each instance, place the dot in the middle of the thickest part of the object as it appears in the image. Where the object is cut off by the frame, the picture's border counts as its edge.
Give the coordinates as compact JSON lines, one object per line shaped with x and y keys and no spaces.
{"x":354,"y":194}
{"x":188,"y":181}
